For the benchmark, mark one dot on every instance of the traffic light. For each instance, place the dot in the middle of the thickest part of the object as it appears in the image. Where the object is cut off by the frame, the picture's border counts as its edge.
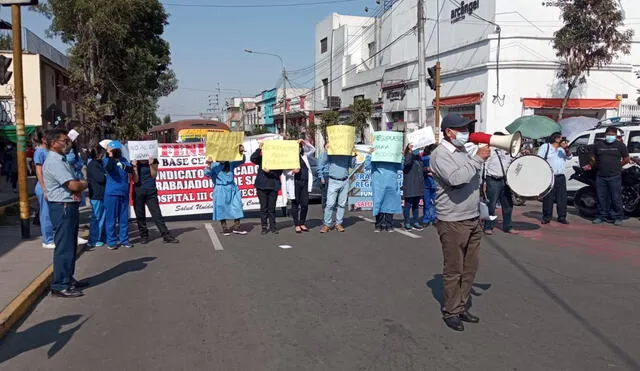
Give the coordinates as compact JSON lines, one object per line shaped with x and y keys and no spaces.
{"x":432,"y":81}
{"x":5,"y":74}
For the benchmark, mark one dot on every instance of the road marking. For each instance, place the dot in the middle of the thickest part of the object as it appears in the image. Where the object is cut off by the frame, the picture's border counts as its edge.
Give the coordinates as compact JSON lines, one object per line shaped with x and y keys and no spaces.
{"x":217,"y":245}
{"x":401,"y":231}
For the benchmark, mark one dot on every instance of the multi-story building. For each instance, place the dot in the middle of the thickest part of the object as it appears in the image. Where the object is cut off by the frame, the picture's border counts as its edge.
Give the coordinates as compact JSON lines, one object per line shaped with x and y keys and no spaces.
{"x":266,"y":103}
{"x":497,"y":62}
{"x":45,"y":72}
{"x":237,"y":108}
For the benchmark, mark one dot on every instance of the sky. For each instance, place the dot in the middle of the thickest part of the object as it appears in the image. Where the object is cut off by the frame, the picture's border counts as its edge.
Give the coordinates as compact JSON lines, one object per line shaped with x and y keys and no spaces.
{"x":207,"y":46}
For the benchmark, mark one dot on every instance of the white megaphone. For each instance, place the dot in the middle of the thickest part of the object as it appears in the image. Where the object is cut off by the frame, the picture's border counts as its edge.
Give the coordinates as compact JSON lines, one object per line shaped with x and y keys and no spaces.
{"x":510,"y":143}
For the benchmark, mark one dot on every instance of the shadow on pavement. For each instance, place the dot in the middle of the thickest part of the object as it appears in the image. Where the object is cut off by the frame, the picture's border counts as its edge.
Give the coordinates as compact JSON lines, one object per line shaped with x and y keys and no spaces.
{"x":123,"y":268}
{"x":630,"y":362}
{"x":42,"y":334}
{"x":437,"y":290}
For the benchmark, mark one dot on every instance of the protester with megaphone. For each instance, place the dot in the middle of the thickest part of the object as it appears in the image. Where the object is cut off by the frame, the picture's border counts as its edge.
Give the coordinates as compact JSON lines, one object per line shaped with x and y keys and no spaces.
{"x":495,"y":178}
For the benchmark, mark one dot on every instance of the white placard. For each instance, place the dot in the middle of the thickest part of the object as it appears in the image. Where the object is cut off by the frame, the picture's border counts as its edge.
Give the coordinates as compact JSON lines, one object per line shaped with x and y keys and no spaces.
{"x":421,"y":138}
{"x":143,"y":150}
{"x":73,"y":135}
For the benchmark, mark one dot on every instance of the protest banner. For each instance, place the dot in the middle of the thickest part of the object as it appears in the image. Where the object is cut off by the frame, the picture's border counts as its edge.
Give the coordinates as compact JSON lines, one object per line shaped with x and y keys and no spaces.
{"x":387,"y":146}
{"x":143,"y":150}
{"x":223,"y":146}
{"x":280,"y":154}
{"x":341,"y":139}
{"x":421,"y":138}
{"x":183,"y":189}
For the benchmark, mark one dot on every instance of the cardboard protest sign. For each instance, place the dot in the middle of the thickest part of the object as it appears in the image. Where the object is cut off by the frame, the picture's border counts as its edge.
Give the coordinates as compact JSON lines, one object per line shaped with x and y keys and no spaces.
{"x":223,"y":146}
{"x":421,"y":138}
{"x":341,"y":139}
{"x":143,"y":150}
{"x":280,"y":155}
{"x":387,"y":146}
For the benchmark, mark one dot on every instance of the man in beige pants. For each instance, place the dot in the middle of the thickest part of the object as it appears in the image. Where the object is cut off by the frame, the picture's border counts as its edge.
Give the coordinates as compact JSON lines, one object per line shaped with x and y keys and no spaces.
{"x":457,"y":175}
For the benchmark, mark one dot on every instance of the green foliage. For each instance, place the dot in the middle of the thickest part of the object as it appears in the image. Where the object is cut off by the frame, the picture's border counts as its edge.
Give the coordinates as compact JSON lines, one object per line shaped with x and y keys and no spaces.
{"x":6,"y":42}
{"x":119,"y":60}
{"x":590,"y":38}
{"x":323,"y":120}
{"x":360,"y":115}
{"x":166,"y":119}
{"x":259,"y":129}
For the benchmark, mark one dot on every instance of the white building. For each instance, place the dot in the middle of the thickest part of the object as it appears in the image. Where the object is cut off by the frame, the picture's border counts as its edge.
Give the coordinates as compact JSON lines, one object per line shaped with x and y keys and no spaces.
{"x":490,"y":73}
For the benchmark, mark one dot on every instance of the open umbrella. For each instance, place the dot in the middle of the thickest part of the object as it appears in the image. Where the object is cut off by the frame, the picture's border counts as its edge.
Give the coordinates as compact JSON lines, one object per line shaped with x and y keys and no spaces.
{"x":534,"y":127}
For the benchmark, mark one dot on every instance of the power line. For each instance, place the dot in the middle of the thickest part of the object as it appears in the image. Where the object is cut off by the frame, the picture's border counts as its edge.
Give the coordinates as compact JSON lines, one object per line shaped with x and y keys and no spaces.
{"x":288,"y":5}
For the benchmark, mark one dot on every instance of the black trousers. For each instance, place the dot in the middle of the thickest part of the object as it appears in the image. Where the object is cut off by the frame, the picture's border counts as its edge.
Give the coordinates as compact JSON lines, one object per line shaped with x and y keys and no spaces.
{"x":558,"y":195}
{"x":268,"y":198}
{"x":148,"y":197}
{"x":300,"y":206}
{"x":384,"y":220}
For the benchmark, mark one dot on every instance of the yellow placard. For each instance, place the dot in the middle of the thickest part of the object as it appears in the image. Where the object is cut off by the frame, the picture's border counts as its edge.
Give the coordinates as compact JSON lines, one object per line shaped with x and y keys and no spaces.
{"x":280,"y":155}
{"x":341,"y":139}
{"x":223,"y":146}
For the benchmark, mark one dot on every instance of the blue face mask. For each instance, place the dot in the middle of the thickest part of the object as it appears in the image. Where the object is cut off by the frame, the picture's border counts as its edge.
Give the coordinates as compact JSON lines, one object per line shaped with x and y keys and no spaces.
{"x":610,"y":138}
{"x":461,"y":139}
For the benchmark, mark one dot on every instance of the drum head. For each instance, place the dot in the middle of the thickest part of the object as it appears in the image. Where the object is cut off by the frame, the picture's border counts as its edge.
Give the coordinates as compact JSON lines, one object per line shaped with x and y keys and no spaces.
{"x":530,"y":176}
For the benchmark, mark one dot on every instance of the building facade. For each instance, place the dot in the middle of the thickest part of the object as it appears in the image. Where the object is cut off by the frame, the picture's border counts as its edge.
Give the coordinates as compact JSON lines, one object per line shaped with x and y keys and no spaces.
{"x":236,"y":111}
{"x":45,"y":72}
{"x":497,"y":64}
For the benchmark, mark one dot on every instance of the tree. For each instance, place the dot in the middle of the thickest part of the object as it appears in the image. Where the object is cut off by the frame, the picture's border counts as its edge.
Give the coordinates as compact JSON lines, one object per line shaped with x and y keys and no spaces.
{"x":166,"y":119}
{"x":6,"y":42}
{"x":360,"y":115}
{"x":326,"y":119}
{"x":119,"y":61}
{"x":590,"y":38}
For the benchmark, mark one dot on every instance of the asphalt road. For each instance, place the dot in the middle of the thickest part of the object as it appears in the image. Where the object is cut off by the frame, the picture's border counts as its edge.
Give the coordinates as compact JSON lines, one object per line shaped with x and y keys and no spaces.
{"x":553,"y":298}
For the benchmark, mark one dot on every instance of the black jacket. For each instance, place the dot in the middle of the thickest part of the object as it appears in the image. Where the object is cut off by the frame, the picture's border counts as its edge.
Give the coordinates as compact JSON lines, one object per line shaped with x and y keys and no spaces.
{"x":413,"y":182}
{"x":96,"y":179}
{"x":268,"y":181}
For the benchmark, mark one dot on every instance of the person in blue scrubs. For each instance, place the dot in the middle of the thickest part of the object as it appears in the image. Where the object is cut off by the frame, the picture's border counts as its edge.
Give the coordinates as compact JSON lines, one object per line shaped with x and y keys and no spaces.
{"x":39,"y":156}
{"x":429,"y":203}
{"x":97,"y":180}
{"x":116,"y":196}
{"x":75,"y":160}
{"x":227,"y":202}
{"x":386,"y":192}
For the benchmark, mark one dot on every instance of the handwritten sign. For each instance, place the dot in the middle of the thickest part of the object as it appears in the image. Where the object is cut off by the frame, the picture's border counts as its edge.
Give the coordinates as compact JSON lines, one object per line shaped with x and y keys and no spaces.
{"x":143,"y":150}
{"x":341,"y":139}
{"x":223,"y":146}
{"x":280,"y":154}
{"x":421,"y":138}
{"x":387,"y":146}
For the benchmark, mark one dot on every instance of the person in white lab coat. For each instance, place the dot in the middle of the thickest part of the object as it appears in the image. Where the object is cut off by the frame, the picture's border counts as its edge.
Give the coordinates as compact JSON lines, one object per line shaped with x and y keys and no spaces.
{"x":298,"y":186}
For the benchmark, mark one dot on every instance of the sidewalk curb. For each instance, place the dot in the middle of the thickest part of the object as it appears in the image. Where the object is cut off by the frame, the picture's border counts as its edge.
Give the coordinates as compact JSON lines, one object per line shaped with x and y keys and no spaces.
{"x":13,"y":203}
{"x":21,"y":304}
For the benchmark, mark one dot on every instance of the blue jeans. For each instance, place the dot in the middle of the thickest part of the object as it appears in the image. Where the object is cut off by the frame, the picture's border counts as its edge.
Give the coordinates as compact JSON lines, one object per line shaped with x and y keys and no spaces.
{"x":117,"y":213}
{"x":46,"y":228}
{"x":66,"y":220}
{"x":411,"y":206}
{"x":337,"y":193}
{"x":609,"y":190}
{"x":498,"y":191}
{"x":97,"y":225}
{"x":429,"y":206}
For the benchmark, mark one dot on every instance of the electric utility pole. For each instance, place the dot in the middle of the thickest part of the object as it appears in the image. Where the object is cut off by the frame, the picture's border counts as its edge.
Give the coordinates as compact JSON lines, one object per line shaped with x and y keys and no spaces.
{"x":284,"y":99}
{"x":422,"y":79}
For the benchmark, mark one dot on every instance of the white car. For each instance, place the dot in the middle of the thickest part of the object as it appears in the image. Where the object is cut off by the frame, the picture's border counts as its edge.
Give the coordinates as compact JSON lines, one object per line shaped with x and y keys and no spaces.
{"x":631,"y":137}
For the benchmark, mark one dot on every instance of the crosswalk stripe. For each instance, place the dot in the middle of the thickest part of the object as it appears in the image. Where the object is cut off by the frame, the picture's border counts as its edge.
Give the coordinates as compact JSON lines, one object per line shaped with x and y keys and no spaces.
{"x":401,"y":231}
{"x":217,"y":245}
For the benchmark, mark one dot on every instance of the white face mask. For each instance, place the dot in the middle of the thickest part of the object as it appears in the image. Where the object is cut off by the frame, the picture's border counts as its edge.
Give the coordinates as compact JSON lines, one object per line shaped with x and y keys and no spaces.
{"x":461,"y":139}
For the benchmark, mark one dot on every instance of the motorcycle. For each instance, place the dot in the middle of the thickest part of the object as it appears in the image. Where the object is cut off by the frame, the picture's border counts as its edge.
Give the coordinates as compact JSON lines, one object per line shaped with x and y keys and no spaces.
{"x":586,"y":199}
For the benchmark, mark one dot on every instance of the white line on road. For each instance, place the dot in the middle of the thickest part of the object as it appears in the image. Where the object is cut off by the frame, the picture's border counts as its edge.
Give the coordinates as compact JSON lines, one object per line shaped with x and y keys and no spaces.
{"x":217,"y":245}
{"x":401,"y":231}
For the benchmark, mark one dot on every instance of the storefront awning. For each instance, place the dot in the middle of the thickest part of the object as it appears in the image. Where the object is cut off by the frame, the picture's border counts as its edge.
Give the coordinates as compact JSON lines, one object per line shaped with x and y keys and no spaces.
{"x":556,"y":103}
{"x":9,"y":132}
{"x":460,"y":100}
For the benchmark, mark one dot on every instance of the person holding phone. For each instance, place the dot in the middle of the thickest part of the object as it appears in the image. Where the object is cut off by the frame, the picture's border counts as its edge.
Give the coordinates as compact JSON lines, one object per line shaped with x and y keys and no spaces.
{"x":116,"y":196}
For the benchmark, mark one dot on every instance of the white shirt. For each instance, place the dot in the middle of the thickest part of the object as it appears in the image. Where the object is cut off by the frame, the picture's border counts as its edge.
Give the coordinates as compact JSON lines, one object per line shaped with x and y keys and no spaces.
{"x":492,"y":165}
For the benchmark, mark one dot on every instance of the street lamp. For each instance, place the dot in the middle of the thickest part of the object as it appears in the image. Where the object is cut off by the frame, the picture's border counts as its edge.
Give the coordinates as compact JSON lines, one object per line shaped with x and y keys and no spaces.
{"x":284,"y":84}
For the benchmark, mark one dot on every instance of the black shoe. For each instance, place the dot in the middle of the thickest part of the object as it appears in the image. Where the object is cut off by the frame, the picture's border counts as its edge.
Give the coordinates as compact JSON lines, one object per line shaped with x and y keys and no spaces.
{"x":563,"y":221}
{"x":274,"y":231}
{"x":454,"y":323}
{"x":170,"y":239}
{"x":264,"y":231}
{"x":546,"y":222}
{"x":67,"y":293}
{"x":75,"y":284}
{"x":226,"y":232}
{"x":144,"y":240}
{"x":468,"y":317}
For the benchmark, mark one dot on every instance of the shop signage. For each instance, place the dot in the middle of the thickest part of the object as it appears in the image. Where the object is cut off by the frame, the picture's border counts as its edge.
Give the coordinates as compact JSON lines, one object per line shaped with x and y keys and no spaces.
{"x":460,"y":13}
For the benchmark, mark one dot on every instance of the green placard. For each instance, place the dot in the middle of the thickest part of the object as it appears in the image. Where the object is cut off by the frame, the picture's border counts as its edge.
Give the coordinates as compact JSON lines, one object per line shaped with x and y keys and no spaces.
{"x":387,"y":146}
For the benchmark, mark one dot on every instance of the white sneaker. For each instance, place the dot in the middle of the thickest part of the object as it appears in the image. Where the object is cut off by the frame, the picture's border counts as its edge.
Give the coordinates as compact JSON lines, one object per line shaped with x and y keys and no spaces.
{"x":82,"y":241}
{"x":48,"y":245}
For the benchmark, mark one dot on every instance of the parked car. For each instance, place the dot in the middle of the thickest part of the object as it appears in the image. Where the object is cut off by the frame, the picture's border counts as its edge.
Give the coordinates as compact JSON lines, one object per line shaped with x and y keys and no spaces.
{"x":316,"y":190}
{"x":630,"y":135}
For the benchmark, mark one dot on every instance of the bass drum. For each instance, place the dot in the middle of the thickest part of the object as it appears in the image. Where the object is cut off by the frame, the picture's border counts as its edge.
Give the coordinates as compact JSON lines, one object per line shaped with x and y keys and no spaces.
{"x":530,"y":177}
